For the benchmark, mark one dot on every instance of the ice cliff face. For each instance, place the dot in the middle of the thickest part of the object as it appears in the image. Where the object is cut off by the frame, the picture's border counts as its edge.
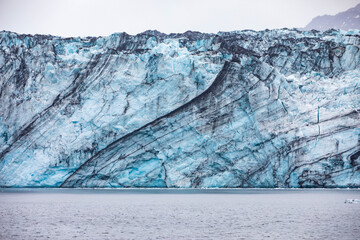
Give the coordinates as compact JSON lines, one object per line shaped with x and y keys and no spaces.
{"x":274,"y":108}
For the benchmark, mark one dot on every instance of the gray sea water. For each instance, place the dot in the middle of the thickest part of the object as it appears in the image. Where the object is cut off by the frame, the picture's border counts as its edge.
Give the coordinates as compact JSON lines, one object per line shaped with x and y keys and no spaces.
{"x":178,"y":214}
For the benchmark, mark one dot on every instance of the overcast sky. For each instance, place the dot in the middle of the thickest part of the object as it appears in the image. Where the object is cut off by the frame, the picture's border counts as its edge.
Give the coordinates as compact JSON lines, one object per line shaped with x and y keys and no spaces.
{"x":104,"y":17}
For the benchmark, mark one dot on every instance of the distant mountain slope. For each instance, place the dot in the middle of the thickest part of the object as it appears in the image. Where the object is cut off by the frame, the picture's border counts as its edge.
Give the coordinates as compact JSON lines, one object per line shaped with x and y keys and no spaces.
{"x":349,"y":19}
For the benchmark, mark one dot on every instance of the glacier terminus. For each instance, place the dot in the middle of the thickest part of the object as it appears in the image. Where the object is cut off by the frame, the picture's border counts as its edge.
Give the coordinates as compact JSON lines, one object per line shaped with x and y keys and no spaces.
{"x":272,"y":108}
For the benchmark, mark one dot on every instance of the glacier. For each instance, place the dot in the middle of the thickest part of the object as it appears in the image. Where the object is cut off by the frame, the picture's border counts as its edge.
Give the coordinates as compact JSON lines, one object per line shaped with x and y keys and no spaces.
{"x":272,"y":108}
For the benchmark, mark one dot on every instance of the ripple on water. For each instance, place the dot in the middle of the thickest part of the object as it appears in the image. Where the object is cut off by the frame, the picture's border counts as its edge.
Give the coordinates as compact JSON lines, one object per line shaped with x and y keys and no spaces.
{"x":241,"y":215}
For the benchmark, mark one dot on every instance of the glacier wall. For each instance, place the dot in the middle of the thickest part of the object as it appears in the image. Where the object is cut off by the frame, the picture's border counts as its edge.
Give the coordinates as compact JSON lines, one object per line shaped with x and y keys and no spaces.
{"x":275,"y":108}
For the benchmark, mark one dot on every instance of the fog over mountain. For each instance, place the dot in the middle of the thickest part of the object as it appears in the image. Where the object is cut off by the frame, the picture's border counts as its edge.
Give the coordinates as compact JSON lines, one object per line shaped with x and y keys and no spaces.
{"x":347,"y":20}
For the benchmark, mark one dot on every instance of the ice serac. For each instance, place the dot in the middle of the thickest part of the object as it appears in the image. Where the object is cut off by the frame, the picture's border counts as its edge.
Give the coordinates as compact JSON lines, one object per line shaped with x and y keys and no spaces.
{"x":277,"y":108}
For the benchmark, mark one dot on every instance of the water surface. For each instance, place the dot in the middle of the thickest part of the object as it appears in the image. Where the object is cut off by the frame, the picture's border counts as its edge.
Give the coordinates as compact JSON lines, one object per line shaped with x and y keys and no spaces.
{"x":178,"y":214}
